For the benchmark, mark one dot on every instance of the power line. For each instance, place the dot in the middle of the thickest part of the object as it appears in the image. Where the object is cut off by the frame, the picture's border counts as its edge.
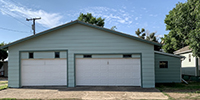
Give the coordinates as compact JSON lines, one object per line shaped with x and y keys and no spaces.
{"x":23,"y":16}
{"x":13,"y":30}
{"x":33,"y":26}
{"x":15,"y":18}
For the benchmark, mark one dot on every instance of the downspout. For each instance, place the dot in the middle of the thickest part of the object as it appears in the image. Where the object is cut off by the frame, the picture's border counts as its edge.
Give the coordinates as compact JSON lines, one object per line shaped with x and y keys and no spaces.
{"x":197,"y":66}
{"x":182,"y":58}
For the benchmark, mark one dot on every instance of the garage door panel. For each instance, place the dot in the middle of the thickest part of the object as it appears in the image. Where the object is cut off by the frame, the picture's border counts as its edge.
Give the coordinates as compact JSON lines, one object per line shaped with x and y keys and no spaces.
{"x":31,"y":62}
{"x":55,"y":62}
{"x":44,"y":72}
{"x":108,"y":72}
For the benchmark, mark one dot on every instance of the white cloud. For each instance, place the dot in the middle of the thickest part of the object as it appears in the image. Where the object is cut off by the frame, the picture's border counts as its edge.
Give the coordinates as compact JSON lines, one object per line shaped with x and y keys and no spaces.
{"x":122,"y":11}
{"x":112,"y":16}
{"x":122,"y":21}
{"x":47,"y":19}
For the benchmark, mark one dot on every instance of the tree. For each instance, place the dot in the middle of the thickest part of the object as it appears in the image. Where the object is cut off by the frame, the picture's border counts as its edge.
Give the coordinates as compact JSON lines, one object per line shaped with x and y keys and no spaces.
{"x":113,"y":27}
{"x":149,"y":36}
{"x":152,"y":37}
{"x":88,"y":18}
{"x":3,"y":54}
{"x":183,"y":23}
{"x":145,"y":34}
{"x":141,"y":34}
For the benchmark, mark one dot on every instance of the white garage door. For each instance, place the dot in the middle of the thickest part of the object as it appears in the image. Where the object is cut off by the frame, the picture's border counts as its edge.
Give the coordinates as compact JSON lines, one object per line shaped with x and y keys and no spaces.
{"x":108,"y":72}
{"x":43,"y":72}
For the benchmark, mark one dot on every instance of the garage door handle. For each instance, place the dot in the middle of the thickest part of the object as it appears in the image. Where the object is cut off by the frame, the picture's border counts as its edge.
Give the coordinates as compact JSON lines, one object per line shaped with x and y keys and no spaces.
{"x":107,"y":62}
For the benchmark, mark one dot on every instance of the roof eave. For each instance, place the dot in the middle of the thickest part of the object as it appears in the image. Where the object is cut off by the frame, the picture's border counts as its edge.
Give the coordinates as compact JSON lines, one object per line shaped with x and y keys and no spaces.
{"x":168,"y":54}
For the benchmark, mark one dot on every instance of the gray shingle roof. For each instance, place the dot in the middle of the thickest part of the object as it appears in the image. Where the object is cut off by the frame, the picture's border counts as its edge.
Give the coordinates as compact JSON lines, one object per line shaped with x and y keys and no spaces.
{"x":183,"y":50}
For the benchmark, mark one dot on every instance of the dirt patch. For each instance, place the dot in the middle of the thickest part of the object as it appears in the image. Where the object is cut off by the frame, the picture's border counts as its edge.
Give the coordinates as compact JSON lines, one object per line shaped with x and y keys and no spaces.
{"x":183,"y":94}
{"x":188,"y":96}
{"x":91,"y":93}
{"x":178,"y":95}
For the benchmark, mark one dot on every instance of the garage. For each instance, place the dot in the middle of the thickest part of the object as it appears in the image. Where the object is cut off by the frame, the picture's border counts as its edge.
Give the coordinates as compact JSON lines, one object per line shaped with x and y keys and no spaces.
{"x":44,"y":72}
{"x":94,"y":56}
{"x":108,"y":72}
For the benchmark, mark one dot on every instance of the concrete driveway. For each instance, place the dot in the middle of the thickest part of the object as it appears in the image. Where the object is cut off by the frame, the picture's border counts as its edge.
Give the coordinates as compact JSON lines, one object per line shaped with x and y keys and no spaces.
{"x":85,"y":93}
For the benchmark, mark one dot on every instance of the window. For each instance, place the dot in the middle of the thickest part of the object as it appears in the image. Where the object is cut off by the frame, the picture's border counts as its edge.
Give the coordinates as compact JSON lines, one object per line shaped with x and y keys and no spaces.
{"x":31,"y":55}
{"x":87,"y":56}
{"x":189,"y":57}
{"x":163,"y":64}
{"x":57,"y":54}
{"x":127,"y":56}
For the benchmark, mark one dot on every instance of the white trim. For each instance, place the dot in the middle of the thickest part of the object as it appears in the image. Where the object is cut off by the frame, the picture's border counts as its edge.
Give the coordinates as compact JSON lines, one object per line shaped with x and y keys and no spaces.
{"x":168,"y":54}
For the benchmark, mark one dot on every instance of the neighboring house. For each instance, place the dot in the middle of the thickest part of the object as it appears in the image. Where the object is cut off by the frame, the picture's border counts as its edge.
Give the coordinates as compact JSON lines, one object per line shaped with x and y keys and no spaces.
{"x":82,"y":54}
{"x":190,"y":66}
{"x":4,"y":69}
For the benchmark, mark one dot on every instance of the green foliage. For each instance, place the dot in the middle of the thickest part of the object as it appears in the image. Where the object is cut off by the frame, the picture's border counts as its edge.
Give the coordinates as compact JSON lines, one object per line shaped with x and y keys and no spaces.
{"x":88,"y":18}
{"x":2,"y":44}
{"x":183,"y":23}
{"x":3,"y":54}
{"x":152,"y":37}
{"x":141,"y":34}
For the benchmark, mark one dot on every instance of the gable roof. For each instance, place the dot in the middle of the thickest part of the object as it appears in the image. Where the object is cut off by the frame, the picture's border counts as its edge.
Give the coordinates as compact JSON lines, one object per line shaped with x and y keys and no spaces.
{"x":83,"y":23}
{"x":183,"y":50}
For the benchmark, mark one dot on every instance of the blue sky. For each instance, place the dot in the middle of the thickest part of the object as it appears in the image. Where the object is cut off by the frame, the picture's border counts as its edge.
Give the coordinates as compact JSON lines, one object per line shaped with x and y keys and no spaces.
{"x":126,"y":15}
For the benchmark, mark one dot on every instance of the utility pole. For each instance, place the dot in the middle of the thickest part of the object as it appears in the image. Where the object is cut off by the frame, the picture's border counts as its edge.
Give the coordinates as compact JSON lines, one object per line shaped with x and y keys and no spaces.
{"x":33,"y":26}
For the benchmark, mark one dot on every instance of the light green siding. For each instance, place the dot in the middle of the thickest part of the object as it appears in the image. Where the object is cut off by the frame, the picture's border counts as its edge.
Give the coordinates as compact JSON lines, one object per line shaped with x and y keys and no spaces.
{"x":186,"y":62}
{"x":108,"y":56}
{"x":189,"y":71}
{"x":189,"y":67}
{"x":43,"y":54}
{"x":80,"y":39}
{"x":170,"y":74}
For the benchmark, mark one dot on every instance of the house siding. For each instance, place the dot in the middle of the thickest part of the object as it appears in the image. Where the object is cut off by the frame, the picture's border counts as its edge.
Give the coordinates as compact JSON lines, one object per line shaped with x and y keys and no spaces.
{"x":186,"y":63}
{"x":189,"y":68}
{"x":43,"y":54}
{"x":170,"y":74}
{"x":107,"y":55}
{"x":81,"y":39}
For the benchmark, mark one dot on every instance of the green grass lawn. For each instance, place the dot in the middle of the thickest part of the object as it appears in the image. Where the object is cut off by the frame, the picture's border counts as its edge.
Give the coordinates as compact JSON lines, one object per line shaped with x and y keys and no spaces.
{"x":175,"y":91}
{"x":3,"y":85}
{"x":193,"y":86}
